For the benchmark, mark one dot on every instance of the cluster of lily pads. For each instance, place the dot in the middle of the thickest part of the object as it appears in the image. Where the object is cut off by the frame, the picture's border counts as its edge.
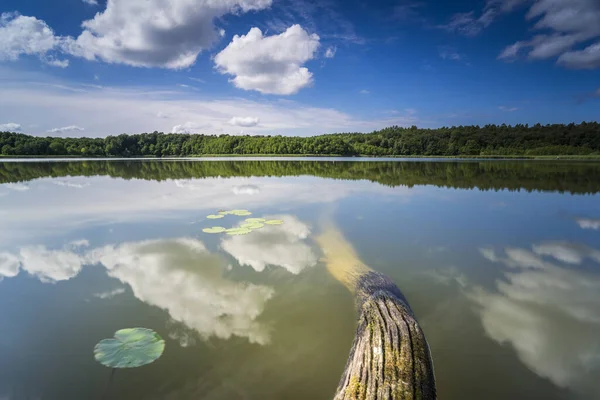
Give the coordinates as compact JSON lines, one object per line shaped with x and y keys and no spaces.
{"x":249,"y":225}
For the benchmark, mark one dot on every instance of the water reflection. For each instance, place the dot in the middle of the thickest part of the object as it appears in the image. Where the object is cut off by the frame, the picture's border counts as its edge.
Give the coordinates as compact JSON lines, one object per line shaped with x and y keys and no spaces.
{"x":182,"y":277}
{"x":547,"y":310}
{"x":179,"y":276}
{"x":281,"y":245}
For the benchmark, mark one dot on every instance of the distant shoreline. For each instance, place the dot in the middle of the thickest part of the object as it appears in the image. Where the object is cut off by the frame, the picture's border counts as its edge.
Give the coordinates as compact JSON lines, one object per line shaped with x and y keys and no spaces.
{"x":299,"y":156}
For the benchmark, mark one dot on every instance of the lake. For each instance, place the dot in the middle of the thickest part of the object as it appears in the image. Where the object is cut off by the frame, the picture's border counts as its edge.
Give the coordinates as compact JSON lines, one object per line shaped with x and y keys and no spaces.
{"x":500,"y":261}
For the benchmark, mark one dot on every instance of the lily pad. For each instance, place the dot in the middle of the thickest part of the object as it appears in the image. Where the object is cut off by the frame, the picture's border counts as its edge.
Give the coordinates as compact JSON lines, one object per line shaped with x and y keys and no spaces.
{"x":241,"y":213}
{"x":130,"y":348}
{"x":215,"y":216}
{"x":214,"y":229}
{"x":274,"y":222}
{"x":224,"y":212}
{"x":238,"y":231}
{"x":252,"y":225}
{"x":251,"y":220}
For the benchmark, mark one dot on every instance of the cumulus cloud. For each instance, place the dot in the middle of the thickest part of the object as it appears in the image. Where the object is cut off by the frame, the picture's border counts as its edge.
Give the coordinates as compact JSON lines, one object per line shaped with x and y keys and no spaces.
{"x":539,"y":307}
{"x":183,"y":278}
{"x":565,"y":24}
{"x":65,"y":129}
{"x":10,"y":127}
{"x":9,"y":265}
{"x":246,"y":189}
{"x":50,"y":266}
{"x":280,"y":245}
{"x":246,"y":122}
{"x":588,"y":223}
{"x":330,"y":52}
{"x":79,"y":243}
{"x":269,"y":64}
{"x":22,"y":35}
{"x":188,"y":127}
{"x":154,"y":33}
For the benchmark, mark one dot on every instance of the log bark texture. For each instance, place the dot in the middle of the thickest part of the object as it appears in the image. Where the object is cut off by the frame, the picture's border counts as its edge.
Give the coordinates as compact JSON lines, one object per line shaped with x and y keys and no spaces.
{"x":390,"y":357}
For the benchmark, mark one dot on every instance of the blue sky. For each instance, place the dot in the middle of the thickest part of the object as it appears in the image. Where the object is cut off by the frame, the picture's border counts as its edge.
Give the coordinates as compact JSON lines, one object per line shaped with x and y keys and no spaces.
{"x":294,"y":67}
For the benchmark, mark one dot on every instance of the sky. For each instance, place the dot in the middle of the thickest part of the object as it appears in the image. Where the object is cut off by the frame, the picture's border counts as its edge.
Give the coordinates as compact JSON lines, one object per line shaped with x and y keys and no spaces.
{"x":294,"y":67}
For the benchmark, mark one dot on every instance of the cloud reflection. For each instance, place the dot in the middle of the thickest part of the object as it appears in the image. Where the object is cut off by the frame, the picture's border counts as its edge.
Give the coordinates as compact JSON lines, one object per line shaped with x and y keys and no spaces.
{"x":550,"y":314}
{"x":280,"y":245}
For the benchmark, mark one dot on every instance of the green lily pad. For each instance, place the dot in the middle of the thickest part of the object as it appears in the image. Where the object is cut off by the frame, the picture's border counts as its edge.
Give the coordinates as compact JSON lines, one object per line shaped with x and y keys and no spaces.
{"x":238,"y":231}
{"x":214,"y":229}
{"x":251,"y":220}
{"x":130,"y":348}
{"x":241,"y":213}
{"x":274,"y":222}
{"x":215,"y":216}
{"x":252,"y":225}
{"x":224,"y":212}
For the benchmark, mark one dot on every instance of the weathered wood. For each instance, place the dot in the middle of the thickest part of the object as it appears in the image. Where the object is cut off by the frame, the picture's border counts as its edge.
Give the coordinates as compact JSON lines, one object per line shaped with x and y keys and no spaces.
{"x":390,"y":357}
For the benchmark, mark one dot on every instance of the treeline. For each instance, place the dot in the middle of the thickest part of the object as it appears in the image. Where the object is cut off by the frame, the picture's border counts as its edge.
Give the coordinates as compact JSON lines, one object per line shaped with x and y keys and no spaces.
{"x":572,"y":177}
{"x":558,"y":139}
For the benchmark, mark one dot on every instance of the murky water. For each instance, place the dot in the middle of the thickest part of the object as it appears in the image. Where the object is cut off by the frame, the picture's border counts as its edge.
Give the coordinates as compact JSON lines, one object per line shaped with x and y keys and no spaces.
{"x":499,"y":260}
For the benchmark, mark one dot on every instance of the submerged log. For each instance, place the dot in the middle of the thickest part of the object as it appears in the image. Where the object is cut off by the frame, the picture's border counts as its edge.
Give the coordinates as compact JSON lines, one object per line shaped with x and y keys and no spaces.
{"x":390,"y":357}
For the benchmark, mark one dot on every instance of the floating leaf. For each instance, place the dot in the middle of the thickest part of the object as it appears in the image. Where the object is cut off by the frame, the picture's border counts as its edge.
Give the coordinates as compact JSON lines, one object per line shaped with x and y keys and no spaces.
{"x":252,"y":225}
{"x":274,"y":222}
{"x":130,"y":348}
{"x":255,"y":220}
{"x":224,"y":212}
{"x":215,"y":216}
{"x":241,"y":213}
{"x":214,"y":229}
{"x":238,"y":231}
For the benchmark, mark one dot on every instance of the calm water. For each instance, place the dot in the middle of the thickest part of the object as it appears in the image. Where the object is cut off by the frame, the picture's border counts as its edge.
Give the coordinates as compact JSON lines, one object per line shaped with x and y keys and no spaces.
{"x":499,"y":260}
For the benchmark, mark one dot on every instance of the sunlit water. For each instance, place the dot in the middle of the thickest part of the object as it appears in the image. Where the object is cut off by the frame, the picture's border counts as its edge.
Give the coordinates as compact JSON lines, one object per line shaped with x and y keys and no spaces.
{"x":499,"y":260}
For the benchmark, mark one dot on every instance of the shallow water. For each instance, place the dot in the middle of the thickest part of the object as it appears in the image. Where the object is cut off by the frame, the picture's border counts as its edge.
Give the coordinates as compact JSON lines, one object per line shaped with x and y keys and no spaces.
{"x":499,"y":260}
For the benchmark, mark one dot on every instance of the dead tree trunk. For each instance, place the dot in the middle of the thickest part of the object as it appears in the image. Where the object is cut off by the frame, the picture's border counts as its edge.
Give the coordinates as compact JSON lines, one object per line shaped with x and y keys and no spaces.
{"x":390,"y":357}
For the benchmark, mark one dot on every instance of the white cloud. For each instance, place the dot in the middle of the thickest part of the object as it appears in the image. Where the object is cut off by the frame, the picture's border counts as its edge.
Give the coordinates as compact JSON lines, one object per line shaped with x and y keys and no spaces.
{"x":155,"y":33}
{"x":280,"y":245}
{"x":57,"y":63}
{"x":9,"y":265}
{"x":17,"y":187}
{"x":71,"y":184}
{"x":64,"y":129}
{"x":567,"y":252}
{"x":181,"y":277}
{"x":109,"y":294}
{"x":22,"y":35}
{"x":364,"y":91}
{"x":79,"y":243}
{"x":508,"y":109}
{"x":50,"y":265}
{"x":10,"y":127}
{"x":330,"y":52}
{"x":565,"y":24}
{"x":269,"y":64}
{"x":197,"y":80}
{"x":246,"y":122}
{"x":91,"y":2}
{"x":189,"y":128}
{"x":588,"y":223}
{"x":537,"y":311}
{"x":246,"y":190}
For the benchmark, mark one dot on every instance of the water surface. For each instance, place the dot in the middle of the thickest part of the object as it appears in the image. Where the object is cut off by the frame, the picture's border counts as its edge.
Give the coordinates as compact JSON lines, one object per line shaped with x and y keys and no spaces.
{"x":499,"y":260}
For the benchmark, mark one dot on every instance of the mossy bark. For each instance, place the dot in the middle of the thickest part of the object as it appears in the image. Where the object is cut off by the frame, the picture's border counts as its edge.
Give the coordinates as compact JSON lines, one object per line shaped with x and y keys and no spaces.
{"x":390,"y":357}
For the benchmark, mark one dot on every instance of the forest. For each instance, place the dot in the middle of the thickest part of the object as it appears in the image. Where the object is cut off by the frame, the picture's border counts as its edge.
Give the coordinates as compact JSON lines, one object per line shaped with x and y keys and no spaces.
{"x":536,"y":140}
{"x":574,"y":177}
{"x":489,"y":140}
